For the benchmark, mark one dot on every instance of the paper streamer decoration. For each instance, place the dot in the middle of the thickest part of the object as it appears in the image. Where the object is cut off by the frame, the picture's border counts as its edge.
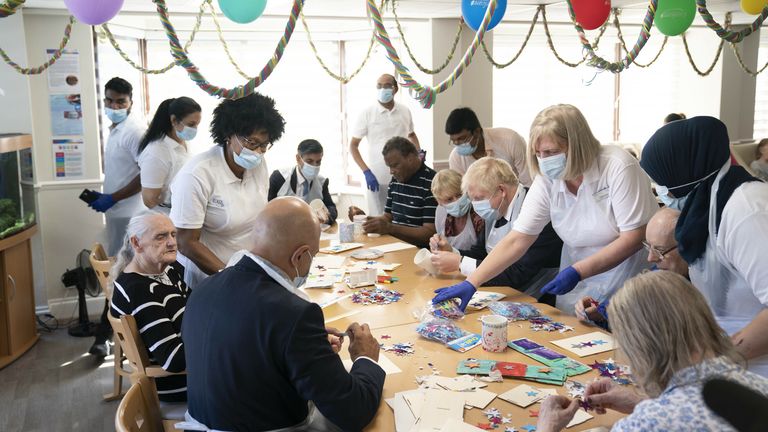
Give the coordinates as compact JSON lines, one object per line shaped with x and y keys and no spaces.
{"x":591,"y":14}
{"x":474,"y":12}
{"x":9,"y":7}
{"x":94,"y":12}
{"x":753,"y":7}
{"x":673,"y":17}
{"x":242,"y":11}
{"x":725,"y":34}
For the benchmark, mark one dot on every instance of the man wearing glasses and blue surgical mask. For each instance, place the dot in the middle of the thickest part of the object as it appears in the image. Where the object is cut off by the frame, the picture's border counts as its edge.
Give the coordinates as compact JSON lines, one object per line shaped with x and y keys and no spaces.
{"x":378,"y":123}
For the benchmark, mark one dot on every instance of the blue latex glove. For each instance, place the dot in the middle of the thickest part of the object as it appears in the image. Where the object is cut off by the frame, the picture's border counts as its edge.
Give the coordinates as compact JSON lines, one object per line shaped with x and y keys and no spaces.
{"x":103,"y":203}
{"x":463,"y":290}
{"x":563,"y":283}
{"x":370,"y":179}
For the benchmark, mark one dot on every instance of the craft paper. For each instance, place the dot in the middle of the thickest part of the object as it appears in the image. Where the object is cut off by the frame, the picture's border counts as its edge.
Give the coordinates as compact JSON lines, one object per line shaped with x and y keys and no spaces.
{"x":465,"y":343}
{"x":546,"y":374}
{"x":384,"y":362}
{"x":509,"y":369}
{"x":453,"y":425}
{"x":324,"y":279}
{"x":523,"y":395}
{"x":439,"y":407}
{"x":392,"y":247}
{"x":406,"y":411}
{"x":378,"y":265}
{"x":524,"y":343}
{"x":572,"y":367}
{"x":460,"y":383}
{"x":547,"y":353}
{"x":322,"y":262}
{"x":580,"y":417}
{"x":481,"y":299}
{"x":475,"y":367}
{"x":587,"y":344}
{"x":341,"y":247}
{"x":479,"y":398}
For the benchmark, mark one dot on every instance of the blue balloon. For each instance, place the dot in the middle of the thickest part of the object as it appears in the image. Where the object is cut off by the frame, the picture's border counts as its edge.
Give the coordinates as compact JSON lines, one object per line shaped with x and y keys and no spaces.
{"x":474,"y":11}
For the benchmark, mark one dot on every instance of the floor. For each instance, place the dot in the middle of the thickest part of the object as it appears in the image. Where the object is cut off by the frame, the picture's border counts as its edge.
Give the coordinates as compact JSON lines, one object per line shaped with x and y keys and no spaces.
{"x":57,"y":386}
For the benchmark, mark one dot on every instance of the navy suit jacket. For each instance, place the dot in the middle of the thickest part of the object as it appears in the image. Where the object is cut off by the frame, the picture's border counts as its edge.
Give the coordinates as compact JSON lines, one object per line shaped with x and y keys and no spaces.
{"x":256,"y":353}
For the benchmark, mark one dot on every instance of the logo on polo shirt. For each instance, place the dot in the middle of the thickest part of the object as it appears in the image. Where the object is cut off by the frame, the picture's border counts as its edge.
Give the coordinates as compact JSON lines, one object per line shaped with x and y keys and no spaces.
{"x":217,"y":201}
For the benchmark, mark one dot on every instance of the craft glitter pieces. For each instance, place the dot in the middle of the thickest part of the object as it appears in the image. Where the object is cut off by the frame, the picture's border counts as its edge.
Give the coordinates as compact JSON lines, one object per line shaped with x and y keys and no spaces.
{"x":544,"y":323}
{"x":401,"y":349}
{"x":376,"y":296}
{"x":446,"y":309}
{"x":441,"y":330}
{"x":494,"y":417}
{"x":575,"y":389}
{"x":514,"y":311}
{"x":608,"y":368}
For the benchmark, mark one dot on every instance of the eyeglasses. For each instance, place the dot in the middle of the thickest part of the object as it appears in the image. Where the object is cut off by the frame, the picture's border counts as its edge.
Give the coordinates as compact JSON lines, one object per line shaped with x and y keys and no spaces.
{"x":660,"y":254}
{"x":253,"y":145}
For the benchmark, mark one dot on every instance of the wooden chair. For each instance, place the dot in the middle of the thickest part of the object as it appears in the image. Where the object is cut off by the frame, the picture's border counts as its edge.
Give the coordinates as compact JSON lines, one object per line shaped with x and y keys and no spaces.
{"x":139,"y":411}
{"x":102,"y":265}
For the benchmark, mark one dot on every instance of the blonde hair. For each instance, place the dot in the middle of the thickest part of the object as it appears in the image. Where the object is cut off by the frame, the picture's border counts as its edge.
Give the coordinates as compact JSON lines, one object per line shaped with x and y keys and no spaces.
{"x":446,"y":184}
{"x":488,"y":173}
{"x":663,"y":324}
{"x":566,"y":125}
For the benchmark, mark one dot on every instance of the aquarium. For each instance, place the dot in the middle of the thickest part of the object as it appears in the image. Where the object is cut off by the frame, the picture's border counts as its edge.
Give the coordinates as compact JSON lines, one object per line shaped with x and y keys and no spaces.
{"x":17,"y":205}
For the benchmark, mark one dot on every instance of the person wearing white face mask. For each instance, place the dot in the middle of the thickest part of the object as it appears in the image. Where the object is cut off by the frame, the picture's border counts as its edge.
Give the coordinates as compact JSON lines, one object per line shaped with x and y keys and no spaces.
{"x":304,"y":181}
{"x":456,"y":222}
{"x":258,"y":353}
{"x":163,"y":149}
{"x":217,"y":195}
{"x":378,"y":123}
{"x":471,"y":142}
{"x":496,"y":196}
{"x":598,"y":200}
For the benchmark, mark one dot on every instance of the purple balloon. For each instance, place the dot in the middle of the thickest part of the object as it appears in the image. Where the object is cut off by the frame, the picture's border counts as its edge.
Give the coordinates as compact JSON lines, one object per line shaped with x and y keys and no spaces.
{"x":94,"y":12}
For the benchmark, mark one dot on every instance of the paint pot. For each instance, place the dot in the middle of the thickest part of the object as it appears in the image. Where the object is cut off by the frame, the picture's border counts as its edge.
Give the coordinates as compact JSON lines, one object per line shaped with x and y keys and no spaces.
{"x":423,"y":259}
{"x":494,"y":333}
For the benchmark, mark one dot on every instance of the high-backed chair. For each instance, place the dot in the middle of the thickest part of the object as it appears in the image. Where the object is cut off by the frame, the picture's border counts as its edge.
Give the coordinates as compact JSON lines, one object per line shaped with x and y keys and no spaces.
{"x":744,"y":154}
{"x":102,"y":265}
{"x":139,"y":412}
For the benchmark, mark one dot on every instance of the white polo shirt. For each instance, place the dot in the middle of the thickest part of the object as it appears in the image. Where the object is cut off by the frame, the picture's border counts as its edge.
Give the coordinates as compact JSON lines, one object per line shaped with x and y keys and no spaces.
{"x":616,"y":174}
{"x":121,"y":165}
{"x":160,"y":161}
{"x":207,"y":195}
{"x":501,"y":143}
{"x":378,"y":125}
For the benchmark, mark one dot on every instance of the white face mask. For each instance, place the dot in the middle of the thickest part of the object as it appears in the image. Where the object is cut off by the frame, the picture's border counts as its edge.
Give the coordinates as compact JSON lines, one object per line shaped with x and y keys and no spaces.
{"x":484,"y":210}
{"x":310,"y":172}
{"x":247,"y":159}
{"x":386,"y":95}
{"x":301,"y":280}
{"x":187,"y":134}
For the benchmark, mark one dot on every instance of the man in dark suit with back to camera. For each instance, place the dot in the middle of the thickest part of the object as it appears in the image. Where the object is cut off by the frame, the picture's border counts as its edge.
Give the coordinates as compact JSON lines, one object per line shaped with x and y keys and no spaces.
{"x":258,"y":354}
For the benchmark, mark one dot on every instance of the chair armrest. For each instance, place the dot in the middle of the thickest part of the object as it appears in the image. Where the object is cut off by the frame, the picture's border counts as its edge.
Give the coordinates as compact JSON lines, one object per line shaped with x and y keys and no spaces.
{"x":157,"y":371}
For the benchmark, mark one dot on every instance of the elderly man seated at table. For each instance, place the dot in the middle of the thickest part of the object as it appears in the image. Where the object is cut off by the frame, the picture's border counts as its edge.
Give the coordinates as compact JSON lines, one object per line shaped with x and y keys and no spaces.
{"x":150,"y":286}
{"x":258,"y":354}
{"x":410,"y":210}
{"x":667,"y":332}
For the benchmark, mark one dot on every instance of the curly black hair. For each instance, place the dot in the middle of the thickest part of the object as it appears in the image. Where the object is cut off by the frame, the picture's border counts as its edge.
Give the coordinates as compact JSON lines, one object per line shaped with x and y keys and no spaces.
{"x":244,"y":116}
{"x":120,"y":86}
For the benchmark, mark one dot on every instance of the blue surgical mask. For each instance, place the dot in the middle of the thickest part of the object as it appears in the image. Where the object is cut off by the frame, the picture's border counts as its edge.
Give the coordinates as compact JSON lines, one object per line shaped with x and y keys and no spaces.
{"x":466,"y":149}
{"x":187,"y":134}
{"x":553,"y":166}
{"x":310,"y":172}
{"x":679,"y":203}
{"x":386,"y":95}
{"x":484,"y":210}
{"x":116,"y":116}
{"x":301,"y":280}
{"x":458,"y":208}
{"x":247,"y":158}
{"x":673,"y":203}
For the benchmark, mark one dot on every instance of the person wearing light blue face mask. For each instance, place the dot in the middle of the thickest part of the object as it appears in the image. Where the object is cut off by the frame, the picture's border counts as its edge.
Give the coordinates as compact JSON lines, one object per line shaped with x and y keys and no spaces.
{"x":471,"y":142}
{"x":217,"y":194}
{"x":304,"y":181}
{"x":597,"y":199}
{"x":163,"y":149}
{"x":455,"y":221}
{"x":379,"y":122}
{"x":496,"y":197}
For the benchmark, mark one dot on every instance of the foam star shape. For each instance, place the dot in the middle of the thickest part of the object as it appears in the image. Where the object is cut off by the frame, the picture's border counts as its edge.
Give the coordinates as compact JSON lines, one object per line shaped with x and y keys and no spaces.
{"x":529,"y":428}
{"x":472,"y":365}
{"x":588,"y":344}
{"x":599,"y":342}
{"x":596,"y":365}
{"x":485,"y":426}
{"x":545,"y":370}
{"x":532,"y":393}
{"x":534,"y":413}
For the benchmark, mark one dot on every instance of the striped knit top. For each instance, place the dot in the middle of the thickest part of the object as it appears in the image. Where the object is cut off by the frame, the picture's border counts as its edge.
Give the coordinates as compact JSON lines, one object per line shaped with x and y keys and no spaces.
{"x":157,"y":303}
{"x":412,"y":203}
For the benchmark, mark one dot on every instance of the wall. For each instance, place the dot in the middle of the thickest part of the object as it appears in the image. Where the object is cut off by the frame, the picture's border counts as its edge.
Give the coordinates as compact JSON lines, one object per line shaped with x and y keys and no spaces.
{"x":737,"y":94}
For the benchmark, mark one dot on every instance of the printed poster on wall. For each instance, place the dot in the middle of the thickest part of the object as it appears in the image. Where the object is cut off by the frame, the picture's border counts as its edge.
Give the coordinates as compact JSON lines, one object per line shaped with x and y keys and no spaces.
{"x":66,"y":115}
{"x":64,"y":75}
{"x":68,"y":158}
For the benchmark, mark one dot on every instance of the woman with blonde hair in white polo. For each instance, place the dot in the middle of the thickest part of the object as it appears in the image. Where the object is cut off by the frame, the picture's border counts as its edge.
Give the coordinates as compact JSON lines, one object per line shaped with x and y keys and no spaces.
{"x":598,"y":200}
{"x":664,"y":327}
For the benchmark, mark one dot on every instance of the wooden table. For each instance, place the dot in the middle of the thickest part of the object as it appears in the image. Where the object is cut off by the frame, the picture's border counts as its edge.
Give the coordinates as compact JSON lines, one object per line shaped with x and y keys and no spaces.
{"x":398,"y":321}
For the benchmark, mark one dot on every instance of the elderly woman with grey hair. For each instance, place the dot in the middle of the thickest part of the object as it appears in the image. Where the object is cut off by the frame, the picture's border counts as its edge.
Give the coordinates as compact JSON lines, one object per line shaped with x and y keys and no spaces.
{"x":664,"y":326}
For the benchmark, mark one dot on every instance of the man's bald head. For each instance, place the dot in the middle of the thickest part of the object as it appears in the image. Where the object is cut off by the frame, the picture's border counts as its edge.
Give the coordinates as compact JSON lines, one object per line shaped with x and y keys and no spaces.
{"x":660,"y":235}
{"x":284,"y":231}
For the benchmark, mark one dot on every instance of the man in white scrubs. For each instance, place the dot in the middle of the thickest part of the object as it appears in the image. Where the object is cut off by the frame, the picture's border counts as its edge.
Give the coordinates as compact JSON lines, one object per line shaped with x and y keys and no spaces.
{"x":472,"y":142}
{"x":378,"y":123}
{"x":121,"y":199}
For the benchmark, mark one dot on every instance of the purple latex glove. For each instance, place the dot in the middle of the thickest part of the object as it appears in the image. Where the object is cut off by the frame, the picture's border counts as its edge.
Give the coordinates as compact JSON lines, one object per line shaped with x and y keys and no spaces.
{"x":463,"y":290}
{"x":103,"y":203}
{"x":564,"y":282}
{"x":370,"y":179}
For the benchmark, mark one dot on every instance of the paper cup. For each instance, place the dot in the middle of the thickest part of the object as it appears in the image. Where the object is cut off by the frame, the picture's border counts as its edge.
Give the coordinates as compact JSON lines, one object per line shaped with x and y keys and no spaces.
{"x":494,"y":333}
{"x":423,"y":259}
{"x":317,"y":204}
{"x":346,"y":232}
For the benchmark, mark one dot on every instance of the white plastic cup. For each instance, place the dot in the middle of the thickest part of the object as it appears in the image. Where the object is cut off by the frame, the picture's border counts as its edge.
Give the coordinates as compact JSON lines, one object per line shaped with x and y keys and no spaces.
{"x":423,"y":259}
{"x":494,"y":333}
{"x":346,"y":232}
{"x":359,"y":220}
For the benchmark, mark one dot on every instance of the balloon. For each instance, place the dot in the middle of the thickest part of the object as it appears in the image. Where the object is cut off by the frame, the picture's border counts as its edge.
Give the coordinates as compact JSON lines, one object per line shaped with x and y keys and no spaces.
{"x":753,"y":7}
{"x":474,"y":12}
{"x":242,"y":11}
{"x":94,"y":12}
{"x":591,"y":14}
{"x":673,"y":17}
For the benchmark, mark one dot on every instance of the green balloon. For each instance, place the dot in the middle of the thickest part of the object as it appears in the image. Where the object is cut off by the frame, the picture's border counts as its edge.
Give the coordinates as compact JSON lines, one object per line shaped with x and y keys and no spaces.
{"x":673,"y":17}
{"x":242,"y":11}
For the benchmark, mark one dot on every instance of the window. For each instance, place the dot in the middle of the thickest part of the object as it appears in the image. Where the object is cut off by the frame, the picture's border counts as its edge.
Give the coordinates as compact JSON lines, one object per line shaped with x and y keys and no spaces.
{"x":761,"y":92}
